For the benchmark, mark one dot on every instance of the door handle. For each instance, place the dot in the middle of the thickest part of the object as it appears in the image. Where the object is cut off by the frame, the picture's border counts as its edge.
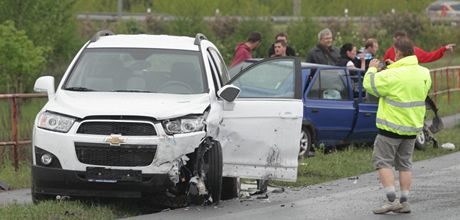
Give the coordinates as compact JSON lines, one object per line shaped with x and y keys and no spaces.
{"x":314,"y":110}
{"x":288,"y":115}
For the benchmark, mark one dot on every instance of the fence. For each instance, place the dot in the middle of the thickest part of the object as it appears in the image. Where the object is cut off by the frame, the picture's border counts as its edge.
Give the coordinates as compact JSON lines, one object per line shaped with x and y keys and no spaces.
{"x":14,"y":142}
{"x":451,"y":83}
{"x":446,"y":81}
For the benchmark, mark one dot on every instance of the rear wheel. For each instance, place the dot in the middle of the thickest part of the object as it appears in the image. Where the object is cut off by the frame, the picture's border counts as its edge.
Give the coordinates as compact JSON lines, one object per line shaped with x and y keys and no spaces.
{"x":305,"y":143}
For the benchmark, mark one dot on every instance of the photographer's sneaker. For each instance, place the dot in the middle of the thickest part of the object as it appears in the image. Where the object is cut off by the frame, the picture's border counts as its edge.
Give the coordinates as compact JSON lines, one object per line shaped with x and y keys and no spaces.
{"x":404,"y":208}
{"x":388,"y":207}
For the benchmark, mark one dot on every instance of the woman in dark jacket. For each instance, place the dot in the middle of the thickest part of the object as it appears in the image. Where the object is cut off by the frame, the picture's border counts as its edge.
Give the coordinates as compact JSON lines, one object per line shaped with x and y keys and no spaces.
{"x":347,"y":54}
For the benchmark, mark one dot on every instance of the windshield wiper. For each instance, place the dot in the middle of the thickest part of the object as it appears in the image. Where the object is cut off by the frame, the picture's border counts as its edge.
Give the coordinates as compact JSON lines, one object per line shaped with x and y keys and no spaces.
{"x":132,"y":90}
{"x":83,"y":89}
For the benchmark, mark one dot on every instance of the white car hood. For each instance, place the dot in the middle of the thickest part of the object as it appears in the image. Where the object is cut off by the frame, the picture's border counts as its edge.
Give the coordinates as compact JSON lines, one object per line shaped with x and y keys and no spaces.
{"x":157,"y":105}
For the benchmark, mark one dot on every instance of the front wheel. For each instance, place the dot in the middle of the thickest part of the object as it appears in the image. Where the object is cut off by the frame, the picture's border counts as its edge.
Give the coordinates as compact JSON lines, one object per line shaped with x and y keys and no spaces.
{"x":213,"y":168}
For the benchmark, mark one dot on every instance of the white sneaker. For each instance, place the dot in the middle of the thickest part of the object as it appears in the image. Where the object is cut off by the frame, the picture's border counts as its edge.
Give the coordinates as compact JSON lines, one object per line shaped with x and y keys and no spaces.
{"x":404,"y":208}
{"x":388,"y":207}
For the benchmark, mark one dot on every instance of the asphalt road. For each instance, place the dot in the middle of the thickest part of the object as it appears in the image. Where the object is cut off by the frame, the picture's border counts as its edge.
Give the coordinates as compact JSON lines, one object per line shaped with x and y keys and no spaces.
{"x":435,"y":195}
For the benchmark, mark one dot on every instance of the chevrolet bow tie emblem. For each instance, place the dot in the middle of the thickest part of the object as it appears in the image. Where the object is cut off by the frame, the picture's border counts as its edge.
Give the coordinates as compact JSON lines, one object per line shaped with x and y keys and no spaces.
{"x":115,"y":139}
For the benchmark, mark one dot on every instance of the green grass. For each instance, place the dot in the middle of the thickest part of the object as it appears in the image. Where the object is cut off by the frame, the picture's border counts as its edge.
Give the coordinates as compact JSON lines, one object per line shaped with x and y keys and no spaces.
{"x":16,"y":180}
{"x":59,"y":210}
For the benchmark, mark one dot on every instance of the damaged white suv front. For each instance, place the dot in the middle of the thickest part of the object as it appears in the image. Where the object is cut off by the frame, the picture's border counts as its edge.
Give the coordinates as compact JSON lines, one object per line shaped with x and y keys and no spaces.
{"x":140,"y":115}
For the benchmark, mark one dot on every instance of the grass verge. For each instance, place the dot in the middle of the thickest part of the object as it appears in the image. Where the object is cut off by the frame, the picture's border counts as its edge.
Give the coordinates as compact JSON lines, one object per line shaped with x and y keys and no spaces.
{"x":63,"y":210}
{"x":16,"y":180}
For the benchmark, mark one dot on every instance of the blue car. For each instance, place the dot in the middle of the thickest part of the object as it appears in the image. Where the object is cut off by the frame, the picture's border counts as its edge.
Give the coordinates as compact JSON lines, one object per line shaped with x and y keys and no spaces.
{"x":337,"y":111}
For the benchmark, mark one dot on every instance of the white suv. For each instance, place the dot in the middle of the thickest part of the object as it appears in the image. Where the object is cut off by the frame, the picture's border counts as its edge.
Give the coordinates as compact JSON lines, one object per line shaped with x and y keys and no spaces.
{"x":139,"y":115}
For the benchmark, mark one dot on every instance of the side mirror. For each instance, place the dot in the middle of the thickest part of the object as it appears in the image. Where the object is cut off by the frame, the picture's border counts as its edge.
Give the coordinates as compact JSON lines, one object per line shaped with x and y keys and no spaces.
{"x":45,"y":84}
{"x":229,"y":93}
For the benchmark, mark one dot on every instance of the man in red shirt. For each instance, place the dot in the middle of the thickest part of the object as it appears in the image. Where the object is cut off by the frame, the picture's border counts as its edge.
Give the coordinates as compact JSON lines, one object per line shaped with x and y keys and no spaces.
{"x":422,"y":56}
{"x":243,"y":51}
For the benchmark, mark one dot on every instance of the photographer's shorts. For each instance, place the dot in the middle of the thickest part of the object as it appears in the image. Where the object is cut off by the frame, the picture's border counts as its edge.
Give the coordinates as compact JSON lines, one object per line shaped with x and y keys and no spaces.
{"x":392,"y":151}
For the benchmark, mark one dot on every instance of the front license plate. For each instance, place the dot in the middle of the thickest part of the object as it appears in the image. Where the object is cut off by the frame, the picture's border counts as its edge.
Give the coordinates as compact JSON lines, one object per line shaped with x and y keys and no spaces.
{"x":98,"y":174}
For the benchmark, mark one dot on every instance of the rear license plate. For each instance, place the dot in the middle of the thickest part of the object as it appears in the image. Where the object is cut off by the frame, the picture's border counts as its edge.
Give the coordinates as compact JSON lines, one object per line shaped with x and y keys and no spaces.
{"x":98,"y":174}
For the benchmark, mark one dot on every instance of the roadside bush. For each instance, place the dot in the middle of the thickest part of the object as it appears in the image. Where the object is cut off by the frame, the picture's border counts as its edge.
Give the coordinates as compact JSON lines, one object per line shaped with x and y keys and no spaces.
{"x":129,"y":27}
{"x":22,"y":60}
{"x":303,"y":35}
{"x":155,"y":25}
{"x":223,"y":28}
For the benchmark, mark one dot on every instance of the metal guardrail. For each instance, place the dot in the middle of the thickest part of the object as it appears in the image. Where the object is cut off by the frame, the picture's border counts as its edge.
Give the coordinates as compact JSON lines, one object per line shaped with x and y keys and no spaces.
{"x":276,"y":19}
{"x":452,"y":83}
{"x":14,"y":123}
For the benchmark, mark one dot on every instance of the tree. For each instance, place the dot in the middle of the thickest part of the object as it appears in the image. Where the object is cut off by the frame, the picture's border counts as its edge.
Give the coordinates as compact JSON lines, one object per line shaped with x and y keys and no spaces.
{"x":21,"y":61}
{"x":47,"y":23}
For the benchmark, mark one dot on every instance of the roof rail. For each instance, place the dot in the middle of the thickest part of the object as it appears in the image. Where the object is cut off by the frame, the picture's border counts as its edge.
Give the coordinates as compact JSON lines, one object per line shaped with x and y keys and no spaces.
{"x":101,"y":34}
{"x":198,"y":38}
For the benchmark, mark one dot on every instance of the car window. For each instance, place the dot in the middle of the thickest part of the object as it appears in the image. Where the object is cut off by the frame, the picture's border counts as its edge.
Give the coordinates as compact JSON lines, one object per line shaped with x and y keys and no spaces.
{"x":330,"y":84}
{"x":220,"y":64}
{"x":138,"y":70}
{"x":238,"y":67}
{"x":357,"y":77}
{"x":273,"y":78}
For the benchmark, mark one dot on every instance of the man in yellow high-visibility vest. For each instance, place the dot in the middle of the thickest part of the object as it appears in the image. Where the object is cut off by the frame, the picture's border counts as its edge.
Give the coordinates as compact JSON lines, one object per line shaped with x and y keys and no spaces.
{"x":402,"y":89}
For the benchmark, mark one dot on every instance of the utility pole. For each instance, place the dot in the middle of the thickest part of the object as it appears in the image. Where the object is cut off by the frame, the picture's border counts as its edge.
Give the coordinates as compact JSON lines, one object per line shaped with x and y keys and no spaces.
{"x":296,"y":7}
{"x":120,"y":8}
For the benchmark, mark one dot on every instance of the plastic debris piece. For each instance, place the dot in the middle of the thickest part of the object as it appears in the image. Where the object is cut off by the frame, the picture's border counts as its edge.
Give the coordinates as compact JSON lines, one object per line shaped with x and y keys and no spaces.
{"x":448,"y":146}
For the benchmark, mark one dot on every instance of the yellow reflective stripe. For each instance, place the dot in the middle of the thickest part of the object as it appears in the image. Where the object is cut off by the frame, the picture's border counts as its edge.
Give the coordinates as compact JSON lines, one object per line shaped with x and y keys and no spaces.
{"x":404,"y":104}
{"x":397,"y":127}
{"x":372,"y":79}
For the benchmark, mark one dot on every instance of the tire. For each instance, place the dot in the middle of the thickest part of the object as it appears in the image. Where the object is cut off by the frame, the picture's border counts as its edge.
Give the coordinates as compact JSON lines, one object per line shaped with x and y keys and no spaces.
{"x":230,"y":188}
{"x":421,"y":140}
{"x":305,"y":143}
{"x":213,"y":170}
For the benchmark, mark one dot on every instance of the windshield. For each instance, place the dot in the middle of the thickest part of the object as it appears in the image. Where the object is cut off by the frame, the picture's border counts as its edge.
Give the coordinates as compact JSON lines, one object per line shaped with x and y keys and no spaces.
{"x":137,"y":70}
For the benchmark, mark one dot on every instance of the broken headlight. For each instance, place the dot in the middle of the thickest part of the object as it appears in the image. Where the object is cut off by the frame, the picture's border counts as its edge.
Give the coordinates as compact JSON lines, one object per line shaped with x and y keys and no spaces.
{"x":184,"y":125}
{"x":55,"y":122}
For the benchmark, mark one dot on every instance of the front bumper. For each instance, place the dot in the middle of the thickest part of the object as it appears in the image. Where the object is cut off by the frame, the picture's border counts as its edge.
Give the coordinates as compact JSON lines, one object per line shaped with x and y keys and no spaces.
{"x":52,"y":181}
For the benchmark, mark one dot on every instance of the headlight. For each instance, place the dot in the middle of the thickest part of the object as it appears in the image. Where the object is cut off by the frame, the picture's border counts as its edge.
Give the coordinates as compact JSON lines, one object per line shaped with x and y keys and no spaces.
{"x":184,"y":125}
{"x":55,"y":122}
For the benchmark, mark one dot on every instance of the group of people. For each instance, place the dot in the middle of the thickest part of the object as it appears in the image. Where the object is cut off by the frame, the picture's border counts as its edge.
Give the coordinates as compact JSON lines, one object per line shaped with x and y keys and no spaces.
{"x":279,"y":48}
{"x":402,"y":88}
{"x":326,"y":53}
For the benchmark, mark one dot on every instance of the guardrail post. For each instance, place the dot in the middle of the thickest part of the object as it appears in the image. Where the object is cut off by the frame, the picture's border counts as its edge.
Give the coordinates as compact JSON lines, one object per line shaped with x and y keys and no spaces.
{"x":435,"y":87}
{"x":448,"y":86}
{"x":458,"y":79}
{"x":14,"y":132}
